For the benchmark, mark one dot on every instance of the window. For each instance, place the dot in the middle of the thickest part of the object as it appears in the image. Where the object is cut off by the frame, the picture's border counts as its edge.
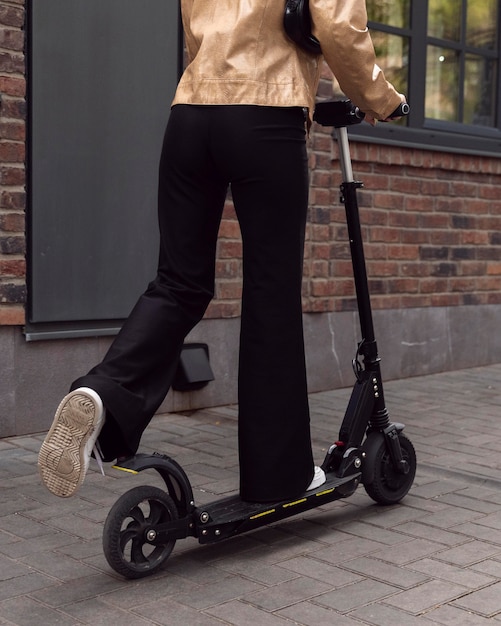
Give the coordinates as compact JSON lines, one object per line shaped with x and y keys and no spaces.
{"x":95,"y":92}
{"x":444,"y":54}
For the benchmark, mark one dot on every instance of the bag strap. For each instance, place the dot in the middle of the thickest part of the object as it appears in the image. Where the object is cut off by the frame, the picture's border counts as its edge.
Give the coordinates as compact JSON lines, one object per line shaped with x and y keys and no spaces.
{"x":297,"y":25}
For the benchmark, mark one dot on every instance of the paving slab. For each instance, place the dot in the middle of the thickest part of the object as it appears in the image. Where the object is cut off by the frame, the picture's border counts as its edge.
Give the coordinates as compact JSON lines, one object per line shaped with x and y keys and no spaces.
{"x":434,"y":558}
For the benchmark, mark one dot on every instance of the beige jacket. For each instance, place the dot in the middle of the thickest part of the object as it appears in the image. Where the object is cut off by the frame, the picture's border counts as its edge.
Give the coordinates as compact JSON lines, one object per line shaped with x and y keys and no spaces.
{"x":239,"y":54}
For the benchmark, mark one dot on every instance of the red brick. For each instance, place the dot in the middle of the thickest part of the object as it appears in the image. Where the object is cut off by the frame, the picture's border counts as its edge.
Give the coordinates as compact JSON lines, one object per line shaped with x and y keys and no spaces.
{"x":11,"y":62}
{"x":433,"y":285}
{"x":382,"y":268}
{"x":474,"y":268}
{"x":454,"y":205}
{"x":12,"y":315}
{"x":321,"y":197}
{"x":12,"y":86}
{"x":229,"y":249}
{"x":492,"y":222}
{"x":319,"y":232}
{"x":340,"y":269}
{"x":462,"y":284}
{"x":386,"y":302}
{"x":229,"y":229}
{"x":11,"y":39}
{"x":418,"y":203}
{"x":391,"y":235}
{"x":313,"y":305}
{"x":406,"y":185}
{"x":435,"y":220}
{"x":415,"y":236}
{"x":435,"y":188}
{"x":376,"y":182}
{"x":417,"y":268}
{"x":445,"y":237}
{"x":12,"y":16}
{"x":13,"y":130}
{"x":12,"y":176}
{"x":463,"y":189}
{"x":489,"y":192}
{"x":319,"y":269}
{"x":403,"y":220}
{"x":370,"y":216}
{"x":229,"y":212}
{"x":228,"y":268}
{"x":494,"y":269}
{"x":11,"y":152}
{"x":15,"y":268}
{"x":444,"y":299}
{"x":13,"y":108}
{"x":228,"y":290}
{"x":488,"y":283}
{"x":321,"y":250}
{"x":475,"y":206}
{"x":403,"y":285}
{"x":480,"y":238}
{"x":12,"y":223}
{"x":494,"y":298}
{"x":340,"y":251}
{"x":403,"y":252}
{"x":375,"y":251}
{"x":13,"y":200}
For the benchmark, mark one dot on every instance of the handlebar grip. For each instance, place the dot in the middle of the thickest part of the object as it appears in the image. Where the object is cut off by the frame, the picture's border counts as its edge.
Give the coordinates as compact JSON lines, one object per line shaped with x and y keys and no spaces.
{"x":402,"y":109}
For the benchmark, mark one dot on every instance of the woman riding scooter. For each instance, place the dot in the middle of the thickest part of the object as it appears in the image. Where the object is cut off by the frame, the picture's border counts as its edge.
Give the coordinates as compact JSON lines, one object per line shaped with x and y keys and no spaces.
{"x":239,"y":119}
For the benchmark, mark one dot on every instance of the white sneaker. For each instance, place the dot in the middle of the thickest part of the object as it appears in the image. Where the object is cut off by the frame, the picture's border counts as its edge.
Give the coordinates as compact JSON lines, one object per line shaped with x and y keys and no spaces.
{"x":318,"y":479}
{"x":64,"y":456}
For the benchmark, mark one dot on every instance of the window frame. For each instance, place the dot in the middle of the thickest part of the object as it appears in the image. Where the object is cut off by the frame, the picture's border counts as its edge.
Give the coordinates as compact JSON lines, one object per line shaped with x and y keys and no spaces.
{"x":425,"y":133}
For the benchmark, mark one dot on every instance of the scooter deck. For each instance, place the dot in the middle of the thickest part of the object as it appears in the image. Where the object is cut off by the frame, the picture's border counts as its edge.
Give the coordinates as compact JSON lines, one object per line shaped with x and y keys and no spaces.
{"x":230,"y":516}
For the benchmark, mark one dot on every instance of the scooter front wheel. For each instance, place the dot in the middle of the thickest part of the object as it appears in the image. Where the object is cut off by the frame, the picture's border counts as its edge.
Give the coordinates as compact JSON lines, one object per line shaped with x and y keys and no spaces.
{"x":389,"y":486}
{"x":125,"y":543}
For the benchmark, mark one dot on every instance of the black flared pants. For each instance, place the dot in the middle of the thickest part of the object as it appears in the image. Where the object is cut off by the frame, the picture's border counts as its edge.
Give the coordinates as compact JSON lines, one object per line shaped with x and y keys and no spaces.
{"x":261,"y":153}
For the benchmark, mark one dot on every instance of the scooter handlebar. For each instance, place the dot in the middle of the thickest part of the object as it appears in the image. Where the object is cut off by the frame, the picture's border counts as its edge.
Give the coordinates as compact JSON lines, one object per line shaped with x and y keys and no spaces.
{"x":341,"y":113}
{"x":337,"y":113}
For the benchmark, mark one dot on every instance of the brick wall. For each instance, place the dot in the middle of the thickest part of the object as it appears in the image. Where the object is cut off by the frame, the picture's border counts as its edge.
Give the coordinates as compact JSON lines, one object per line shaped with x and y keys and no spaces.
{"x":431,"y":223}
{"x":12,"y":159}
{"x":431,"y":220}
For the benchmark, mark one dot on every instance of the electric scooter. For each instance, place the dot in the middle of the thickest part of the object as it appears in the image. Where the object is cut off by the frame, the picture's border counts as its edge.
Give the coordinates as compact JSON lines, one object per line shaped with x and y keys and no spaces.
{"x":144,"y":524}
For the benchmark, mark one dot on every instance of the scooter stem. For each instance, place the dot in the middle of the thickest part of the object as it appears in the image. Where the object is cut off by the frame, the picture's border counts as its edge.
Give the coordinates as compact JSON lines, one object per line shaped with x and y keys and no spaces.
{"x":349,"y":193}
{"x":378,"y":417}
{"x":344,"y":154}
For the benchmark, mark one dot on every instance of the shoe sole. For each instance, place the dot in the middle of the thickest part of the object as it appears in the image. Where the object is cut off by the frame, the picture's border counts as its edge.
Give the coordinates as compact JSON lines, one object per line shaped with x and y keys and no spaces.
{"x":63,"y":459}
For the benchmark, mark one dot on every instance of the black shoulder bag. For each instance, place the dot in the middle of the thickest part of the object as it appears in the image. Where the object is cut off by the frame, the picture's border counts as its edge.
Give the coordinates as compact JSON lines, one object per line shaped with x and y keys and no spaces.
{"x":297,"y":25}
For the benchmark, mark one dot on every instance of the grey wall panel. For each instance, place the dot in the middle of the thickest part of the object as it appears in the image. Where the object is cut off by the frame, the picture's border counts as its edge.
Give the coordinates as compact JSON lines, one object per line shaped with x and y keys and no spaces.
{"x":103,"y":73}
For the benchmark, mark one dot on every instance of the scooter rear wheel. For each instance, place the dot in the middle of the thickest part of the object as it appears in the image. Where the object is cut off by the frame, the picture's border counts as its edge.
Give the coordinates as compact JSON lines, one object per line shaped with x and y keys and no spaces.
{"x":390,"y":486}
{"x":125,"y":542}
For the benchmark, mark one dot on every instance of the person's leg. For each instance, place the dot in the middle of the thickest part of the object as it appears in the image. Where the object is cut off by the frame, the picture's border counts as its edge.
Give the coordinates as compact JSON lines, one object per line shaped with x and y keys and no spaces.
{"x":270,"y":192}
{"x":138,"y":369}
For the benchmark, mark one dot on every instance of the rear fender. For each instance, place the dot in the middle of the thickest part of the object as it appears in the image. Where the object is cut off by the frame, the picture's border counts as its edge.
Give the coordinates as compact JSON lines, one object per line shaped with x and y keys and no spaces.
{"x":173,"y":475}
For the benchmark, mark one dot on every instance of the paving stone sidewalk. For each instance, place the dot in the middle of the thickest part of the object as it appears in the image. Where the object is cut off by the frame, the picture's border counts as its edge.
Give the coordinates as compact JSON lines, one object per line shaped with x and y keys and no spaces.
{"x":435,"y":558}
